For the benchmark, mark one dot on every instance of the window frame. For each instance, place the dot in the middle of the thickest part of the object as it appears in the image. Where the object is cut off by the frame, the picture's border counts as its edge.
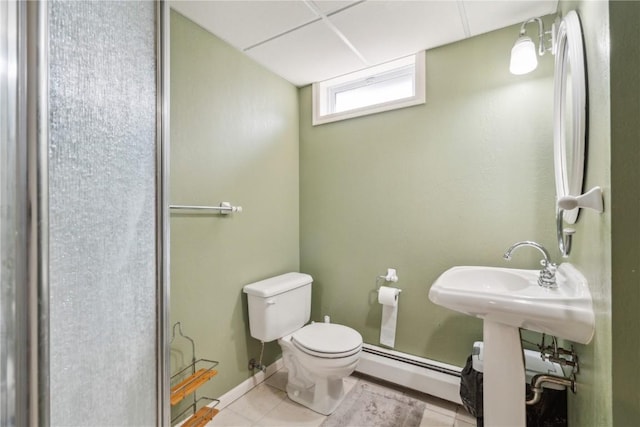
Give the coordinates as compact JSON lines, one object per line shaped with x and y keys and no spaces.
{"x":323,"y":93}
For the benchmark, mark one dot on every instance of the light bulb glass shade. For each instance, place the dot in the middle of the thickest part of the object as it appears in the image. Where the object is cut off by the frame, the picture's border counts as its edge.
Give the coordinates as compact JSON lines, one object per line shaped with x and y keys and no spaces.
{"x":523,"y":56}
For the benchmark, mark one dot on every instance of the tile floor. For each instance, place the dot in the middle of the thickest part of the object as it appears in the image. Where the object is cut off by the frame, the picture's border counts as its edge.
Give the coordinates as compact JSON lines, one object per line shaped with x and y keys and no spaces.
{"x":268,"y":405}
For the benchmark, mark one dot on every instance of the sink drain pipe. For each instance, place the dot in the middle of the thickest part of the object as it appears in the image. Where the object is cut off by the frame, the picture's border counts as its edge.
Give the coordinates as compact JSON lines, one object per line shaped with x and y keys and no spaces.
{"x":538,"y":380}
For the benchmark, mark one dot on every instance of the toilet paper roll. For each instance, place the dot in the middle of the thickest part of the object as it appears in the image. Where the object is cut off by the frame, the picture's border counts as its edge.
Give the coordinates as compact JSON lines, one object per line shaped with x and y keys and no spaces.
{"x":388,"y":297}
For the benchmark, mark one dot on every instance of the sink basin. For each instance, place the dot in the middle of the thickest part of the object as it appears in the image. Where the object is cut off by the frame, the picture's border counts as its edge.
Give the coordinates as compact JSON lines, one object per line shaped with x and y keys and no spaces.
{"x":513,"y":297}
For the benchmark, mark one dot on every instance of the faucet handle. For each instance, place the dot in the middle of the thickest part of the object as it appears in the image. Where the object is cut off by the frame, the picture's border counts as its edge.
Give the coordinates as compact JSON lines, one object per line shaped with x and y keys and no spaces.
{"x":547,"y":276}
{"x":551,"y":267}
{"x":548,"y":264}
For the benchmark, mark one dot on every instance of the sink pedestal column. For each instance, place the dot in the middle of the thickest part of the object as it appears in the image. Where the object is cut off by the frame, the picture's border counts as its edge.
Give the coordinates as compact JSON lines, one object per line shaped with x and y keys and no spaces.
{"x":504,"y":376}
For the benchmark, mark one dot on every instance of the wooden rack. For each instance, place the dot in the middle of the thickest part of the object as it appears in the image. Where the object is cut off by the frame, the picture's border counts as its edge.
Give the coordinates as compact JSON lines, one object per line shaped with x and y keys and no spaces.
{"x":188,"y":380}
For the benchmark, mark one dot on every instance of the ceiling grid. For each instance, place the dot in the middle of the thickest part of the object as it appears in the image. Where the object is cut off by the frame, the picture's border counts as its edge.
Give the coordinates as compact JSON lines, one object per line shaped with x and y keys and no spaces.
{"x":305,"y":41}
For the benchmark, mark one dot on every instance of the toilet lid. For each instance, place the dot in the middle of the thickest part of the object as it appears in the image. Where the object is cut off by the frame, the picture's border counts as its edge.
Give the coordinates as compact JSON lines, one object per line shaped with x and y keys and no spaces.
{"x":327,"y":338}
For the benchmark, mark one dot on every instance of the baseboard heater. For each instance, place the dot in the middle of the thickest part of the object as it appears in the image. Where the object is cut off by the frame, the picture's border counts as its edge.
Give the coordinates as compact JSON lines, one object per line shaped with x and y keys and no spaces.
{"x":417,"y":373}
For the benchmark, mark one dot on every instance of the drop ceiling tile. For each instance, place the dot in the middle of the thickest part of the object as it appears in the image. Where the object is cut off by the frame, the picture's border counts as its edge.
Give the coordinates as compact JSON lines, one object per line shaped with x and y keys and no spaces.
{"x":380,"y":29}
{"x":245,"y":23}
{"x":312,"y":53}
{"x":484,"y":16}
{"x":385,"y":30}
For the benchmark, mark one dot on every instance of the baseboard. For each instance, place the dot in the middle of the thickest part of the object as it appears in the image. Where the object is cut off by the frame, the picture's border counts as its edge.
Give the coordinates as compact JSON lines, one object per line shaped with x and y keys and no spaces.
{"x":248,"y":384}
{"x":417,"y":373}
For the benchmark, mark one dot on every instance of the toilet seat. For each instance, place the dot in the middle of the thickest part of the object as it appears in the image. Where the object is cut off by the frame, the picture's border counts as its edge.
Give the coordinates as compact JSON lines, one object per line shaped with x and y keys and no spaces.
{"x":327,"y":340}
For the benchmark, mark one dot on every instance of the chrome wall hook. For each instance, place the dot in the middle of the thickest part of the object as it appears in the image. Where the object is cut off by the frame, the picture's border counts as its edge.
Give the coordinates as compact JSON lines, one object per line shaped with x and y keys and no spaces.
{"x":564,"y":234}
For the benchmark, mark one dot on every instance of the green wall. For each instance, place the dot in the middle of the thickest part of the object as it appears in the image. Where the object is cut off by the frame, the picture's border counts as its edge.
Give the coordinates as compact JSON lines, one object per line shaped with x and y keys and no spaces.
{"x":625,"y":208}
{"x":591,"y":405}
{"x":607,"y":246}
{"x":234,"y":137}
{"x":453,"y":182}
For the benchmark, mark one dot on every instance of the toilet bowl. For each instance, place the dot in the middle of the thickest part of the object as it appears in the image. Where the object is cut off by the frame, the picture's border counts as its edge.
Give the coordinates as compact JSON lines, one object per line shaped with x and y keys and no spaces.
{"x":318,"y":357}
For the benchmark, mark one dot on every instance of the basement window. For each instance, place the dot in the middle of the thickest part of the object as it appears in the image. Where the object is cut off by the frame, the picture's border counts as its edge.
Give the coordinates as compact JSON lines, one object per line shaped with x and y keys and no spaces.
{"x":389,"y":86}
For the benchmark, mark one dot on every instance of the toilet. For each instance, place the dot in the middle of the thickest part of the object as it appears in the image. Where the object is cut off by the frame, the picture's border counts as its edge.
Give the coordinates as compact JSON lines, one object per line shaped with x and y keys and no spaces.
{"x":318,"y":356}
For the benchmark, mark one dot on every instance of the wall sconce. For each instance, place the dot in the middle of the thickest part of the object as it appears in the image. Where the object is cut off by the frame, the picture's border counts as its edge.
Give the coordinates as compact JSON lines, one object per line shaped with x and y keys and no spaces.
{"x":523,"y":53}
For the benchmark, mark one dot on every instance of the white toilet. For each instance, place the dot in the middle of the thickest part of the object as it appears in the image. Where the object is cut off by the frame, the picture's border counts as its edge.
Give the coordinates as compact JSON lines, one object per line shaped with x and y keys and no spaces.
{"x":318,"y":356}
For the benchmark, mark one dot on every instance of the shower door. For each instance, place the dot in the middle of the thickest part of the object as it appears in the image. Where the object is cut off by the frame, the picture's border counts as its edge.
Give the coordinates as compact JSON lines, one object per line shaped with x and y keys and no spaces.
{"x":84,"y":293}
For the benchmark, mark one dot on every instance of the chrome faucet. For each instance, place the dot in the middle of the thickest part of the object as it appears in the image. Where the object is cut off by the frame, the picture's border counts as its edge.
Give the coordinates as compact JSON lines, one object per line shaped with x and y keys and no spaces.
{"x":547,"y":277}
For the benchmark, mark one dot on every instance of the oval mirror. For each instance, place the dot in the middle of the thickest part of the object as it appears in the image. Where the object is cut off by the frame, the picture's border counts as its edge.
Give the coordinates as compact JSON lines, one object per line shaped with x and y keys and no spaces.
{"x":570,"y":116}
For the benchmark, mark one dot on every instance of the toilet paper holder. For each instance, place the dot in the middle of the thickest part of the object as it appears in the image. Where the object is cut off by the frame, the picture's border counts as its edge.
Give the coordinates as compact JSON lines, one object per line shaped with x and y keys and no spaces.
{"x":392,"y":275}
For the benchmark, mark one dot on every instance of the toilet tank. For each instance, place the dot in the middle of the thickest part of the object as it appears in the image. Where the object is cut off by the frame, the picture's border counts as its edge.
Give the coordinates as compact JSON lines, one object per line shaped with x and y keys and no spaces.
{"x":278,"y":306}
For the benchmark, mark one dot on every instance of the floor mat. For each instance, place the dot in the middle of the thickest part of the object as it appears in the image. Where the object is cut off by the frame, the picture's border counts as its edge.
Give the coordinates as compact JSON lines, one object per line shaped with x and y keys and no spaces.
{"x":365,"y":406}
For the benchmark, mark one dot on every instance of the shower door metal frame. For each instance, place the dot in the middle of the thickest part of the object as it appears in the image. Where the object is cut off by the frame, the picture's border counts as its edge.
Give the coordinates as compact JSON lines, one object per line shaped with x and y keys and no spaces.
{"x":162,"y":212}
{"x":33,"y":202}
{"x":14,"y":396}
{"x":28,"y":344}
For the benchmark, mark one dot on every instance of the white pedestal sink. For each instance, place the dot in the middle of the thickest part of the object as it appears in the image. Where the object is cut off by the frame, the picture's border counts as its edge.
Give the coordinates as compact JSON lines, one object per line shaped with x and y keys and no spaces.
{"x":507,"y":300}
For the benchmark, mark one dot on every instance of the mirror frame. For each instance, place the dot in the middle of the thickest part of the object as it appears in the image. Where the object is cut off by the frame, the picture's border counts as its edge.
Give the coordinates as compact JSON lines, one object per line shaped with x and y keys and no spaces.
{"x":569,"y":57}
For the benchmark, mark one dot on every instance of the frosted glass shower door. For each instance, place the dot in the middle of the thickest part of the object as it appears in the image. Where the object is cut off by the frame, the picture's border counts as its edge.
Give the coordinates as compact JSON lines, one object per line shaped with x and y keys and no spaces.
{"x":102,"y":213}
{"x":83,"y":292}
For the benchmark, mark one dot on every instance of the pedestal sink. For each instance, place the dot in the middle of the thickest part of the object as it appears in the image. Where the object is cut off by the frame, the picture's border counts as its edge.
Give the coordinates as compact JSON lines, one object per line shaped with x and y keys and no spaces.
{"x":507,"y":300}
